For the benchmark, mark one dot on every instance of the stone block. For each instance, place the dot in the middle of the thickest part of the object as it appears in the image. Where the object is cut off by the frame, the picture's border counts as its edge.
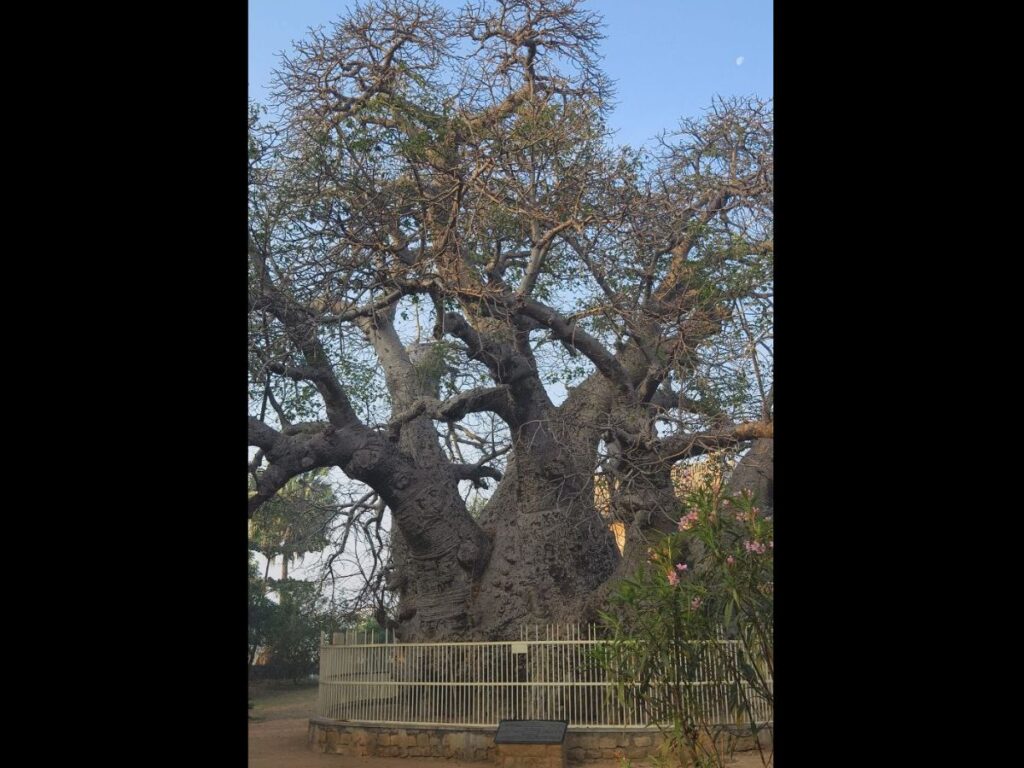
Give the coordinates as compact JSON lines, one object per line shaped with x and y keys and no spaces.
{"x":479,"y":740}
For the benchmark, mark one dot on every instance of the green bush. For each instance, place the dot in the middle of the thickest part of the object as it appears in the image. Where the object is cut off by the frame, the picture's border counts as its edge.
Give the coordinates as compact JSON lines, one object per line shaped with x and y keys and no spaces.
{"x":701,"y":608}
{"x":293,"y":637}
{"x":287,"y":632}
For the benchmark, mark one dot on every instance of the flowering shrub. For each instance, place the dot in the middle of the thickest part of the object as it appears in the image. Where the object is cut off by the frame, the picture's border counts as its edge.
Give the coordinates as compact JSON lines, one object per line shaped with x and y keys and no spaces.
{"x":704,"y":601}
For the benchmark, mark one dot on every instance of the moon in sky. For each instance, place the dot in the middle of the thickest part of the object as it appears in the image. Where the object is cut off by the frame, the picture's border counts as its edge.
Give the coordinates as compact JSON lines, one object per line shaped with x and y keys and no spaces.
{"x":739,"y":61}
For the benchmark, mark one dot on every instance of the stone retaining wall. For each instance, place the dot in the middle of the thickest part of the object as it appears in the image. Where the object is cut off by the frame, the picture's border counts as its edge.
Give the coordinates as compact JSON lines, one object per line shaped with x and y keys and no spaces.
{"x":471,"y":744}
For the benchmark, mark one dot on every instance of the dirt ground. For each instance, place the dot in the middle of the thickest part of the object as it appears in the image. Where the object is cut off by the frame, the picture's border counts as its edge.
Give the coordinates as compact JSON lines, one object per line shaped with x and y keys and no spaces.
{"x":278,"y":728}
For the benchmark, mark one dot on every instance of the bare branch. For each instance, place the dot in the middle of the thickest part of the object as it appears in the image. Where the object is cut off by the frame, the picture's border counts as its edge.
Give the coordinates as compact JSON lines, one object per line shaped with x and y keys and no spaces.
{"x":677,"y":447}
{"x":339,"y":409}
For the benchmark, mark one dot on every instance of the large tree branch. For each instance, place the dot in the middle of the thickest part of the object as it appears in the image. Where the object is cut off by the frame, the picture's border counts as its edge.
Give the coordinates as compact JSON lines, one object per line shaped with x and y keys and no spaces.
{"x":508,"y":366}
{"x":493,"y":399}
{"x":301,"y":327}
{"x":677,"y":447}
{"x":261,"y":435}
{"x":476,"y":473}
{"x":339,"y":409}
{"x":538,"y":253}
{"x":296,"y":450}
{"x":505,"y":365}
{"x":367,"y":309}
{"x":571,"y":334}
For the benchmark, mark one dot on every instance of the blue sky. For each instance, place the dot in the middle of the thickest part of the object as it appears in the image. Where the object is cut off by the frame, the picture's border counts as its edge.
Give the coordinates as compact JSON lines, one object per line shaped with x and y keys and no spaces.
{"x":669,"y":58}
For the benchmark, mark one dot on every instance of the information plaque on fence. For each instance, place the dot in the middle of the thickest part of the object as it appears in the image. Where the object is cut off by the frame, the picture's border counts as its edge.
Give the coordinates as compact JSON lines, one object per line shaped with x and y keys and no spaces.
{"x":531,"y":732}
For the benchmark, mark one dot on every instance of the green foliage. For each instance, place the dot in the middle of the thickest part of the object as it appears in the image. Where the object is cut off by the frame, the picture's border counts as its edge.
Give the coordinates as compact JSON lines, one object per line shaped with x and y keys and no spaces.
{"x":293,"y":641}
{"x":369,"y":624}
{"x":296,"y":519}
{"x":704,"y":601}
{"x":261,"y":610}
{"x":294,"y":522}
{"x":289,"y":631}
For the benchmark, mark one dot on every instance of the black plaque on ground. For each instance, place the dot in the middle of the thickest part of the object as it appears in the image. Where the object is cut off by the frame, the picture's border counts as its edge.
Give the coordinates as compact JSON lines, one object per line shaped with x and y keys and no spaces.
{"x":531,"y":732}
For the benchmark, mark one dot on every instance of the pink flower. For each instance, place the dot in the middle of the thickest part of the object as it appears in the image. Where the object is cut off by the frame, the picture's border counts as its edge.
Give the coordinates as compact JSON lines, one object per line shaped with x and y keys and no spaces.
{"x":687,"y":521}
{"x":730,"y":560}
{"x":754,"y":546}
{"x":725,"y":503}
{"x":771,"y":545}
{"x":680,"y":566}
{"x":695,"y":603}
{"x":673,"y":578}
{"x":754,"y":511}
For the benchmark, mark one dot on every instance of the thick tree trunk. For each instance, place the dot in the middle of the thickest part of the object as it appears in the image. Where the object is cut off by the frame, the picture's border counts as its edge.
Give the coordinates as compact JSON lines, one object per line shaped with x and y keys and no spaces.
{"x":756,"y":473}
{"x":554,"y":558}
{"x":439,"y":551}
{"x":553,"y":553}
{"x":551,"y":547}
{"x":540,"y":552}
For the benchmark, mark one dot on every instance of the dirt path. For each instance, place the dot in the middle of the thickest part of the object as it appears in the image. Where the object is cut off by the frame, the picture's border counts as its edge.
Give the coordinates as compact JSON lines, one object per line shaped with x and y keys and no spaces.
{"x":278,"y":736}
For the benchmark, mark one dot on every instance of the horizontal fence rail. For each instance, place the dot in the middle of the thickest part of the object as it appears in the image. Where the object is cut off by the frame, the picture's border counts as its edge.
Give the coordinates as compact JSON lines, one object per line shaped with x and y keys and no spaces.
{"x":551,"y":673}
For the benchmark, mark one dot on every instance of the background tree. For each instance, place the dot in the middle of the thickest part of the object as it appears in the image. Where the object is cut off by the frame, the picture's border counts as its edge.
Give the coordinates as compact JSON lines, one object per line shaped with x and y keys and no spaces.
{"x":299,"y":620}
{"x":295,"y":521}
{"x":455,"y":279}
{"x":287,"y":633}
{"x":261,"y":610}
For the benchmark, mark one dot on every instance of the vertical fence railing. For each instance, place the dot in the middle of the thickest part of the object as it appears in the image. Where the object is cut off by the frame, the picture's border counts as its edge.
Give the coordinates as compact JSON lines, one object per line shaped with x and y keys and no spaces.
{"x":551,"y":673}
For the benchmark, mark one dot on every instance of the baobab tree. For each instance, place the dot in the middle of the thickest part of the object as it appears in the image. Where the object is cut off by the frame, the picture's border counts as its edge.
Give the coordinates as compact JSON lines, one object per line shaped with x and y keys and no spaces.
{"x":457,"y":280}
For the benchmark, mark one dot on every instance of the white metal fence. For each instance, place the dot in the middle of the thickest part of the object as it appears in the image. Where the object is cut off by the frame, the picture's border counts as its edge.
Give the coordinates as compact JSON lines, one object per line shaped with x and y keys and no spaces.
{"x":550,"y":674}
